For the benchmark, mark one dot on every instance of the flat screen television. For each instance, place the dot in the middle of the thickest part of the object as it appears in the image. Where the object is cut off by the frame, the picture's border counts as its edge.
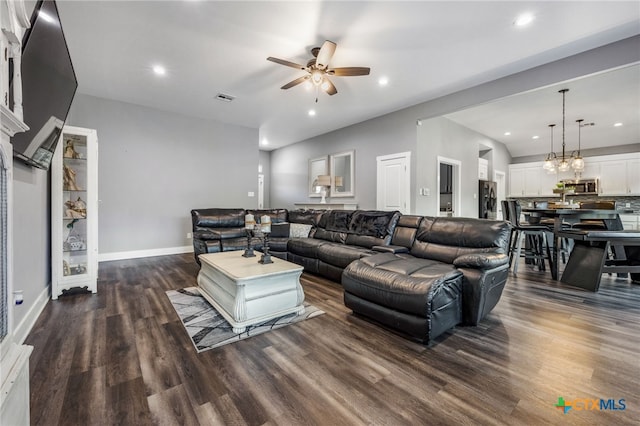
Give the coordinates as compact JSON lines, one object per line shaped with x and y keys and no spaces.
{"x":48,"y":86}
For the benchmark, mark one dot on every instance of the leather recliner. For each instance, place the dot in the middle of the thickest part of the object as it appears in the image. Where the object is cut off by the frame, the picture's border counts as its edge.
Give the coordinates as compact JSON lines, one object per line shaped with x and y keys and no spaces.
{"x":436,"y":274}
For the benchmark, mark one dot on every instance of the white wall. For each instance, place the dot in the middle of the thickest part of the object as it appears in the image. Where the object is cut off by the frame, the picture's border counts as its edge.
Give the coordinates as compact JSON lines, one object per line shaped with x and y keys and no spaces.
{"x":442,"y":137}
{"x":155,"y":166}
{"x":31,"y":237}
{"x":388,"y":134}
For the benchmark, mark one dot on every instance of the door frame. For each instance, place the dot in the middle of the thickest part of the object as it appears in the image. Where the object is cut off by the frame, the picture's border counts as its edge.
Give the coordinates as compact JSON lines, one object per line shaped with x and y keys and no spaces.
{"x":501,"y":189}
{"x":456,"y":199}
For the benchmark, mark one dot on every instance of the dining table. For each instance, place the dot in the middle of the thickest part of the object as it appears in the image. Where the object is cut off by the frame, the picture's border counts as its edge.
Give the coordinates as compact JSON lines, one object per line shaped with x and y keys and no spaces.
{"x":566,"y":217}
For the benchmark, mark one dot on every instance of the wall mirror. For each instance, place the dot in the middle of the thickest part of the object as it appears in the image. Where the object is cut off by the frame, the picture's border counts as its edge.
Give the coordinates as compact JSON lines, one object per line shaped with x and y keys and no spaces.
{"x":342,"y":174}
{"x":317,"y":167}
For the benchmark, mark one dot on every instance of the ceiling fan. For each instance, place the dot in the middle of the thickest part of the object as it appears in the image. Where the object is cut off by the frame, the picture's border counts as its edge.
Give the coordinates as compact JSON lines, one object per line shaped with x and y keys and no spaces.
{"x":318,"y":70}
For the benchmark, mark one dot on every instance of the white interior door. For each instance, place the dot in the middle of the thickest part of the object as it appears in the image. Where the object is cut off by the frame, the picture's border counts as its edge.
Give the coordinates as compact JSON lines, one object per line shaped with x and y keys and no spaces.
{"x":501,"y":186}
{"x":261,"y":191}
{"x":394,"y":182}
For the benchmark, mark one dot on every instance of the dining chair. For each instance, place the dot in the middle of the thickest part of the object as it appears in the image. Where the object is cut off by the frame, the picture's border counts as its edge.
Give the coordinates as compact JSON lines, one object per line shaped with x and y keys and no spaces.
{"x":536,"y":243}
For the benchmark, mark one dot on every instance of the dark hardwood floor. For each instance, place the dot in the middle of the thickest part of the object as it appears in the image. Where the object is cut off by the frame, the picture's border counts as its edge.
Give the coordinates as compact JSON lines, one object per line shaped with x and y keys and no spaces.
{"x":122,"y":357}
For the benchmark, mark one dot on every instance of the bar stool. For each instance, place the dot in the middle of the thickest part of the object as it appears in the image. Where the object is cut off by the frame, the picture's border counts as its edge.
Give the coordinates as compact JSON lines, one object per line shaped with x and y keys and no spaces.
{"x":535,"y":236}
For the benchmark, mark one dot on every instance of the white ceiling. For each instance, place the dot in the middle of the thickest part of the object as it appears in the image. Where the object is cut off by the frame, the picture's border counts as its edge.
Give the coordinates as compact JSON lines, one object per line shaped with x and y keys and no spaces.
{"x":426,"y":49}
{"x":602,"y":99}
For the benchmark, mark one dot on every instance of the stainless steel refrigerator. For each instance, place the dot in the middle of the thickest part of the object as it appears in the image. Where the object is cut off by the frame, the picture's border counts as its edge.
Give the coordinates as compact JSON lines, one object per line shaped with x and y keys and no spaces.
{"x":488,"y":200}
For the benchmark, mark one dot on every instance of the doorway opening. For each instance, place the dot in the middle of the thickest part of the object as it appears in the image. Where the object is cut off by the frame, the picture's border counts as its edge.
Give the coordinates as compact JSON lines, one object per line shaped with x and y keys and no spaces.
{"x":448,"y":197}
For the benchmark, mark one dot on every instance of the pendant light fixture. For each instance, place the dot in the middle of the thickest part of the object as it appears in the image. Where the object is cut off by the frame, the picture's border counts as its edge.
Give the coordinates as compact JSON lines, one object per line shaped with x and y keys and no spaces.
{"x":563,"y":165}
{"x":577,"y":163}
{"x":550,"y":163}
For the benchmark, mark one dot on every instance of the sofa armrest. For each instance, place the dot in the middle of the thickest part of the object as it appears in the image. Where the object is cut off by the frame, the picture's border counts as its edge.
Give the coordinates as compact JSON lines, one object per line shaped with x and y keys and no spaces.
{"x":481,"y":260}
{"x":390,"y":249}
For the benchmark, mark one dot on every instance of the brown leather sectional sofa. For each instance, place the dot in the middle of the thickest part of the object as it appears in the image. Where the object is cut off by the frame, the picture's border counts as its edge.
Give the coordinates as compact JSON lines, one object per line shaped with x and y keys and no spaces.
{"x":419,"y":275}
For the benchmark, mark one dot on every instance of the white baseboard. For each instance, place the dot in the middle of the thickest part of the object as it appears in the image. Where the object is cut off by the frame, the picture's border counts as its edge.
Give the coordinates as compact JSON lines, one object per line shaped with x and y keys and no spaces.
{"x":23,"y":329}
{"x":104,"y":257}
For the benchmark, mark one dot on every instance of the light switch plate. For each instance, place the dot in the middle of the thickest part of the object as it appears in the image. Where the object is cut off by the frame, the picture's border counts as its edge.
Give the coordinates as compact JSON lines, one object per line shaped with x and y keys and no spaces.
{"x":251,"y":194}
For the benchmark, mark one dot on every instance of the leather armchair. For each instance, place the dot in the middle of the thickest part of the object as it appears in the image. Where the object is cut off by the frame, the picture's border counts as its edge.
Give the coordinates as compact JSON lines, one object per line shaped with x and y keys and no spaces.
{"x":216,"y":230}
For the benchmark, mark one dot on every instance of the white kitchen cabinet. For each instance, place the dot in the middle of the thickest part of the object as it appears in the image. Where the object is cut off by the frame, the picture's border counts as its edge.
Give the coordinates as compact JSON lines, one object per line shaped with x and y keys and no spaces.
{"x":630,"y":221}
{"x":483,"y":169}
{"x":613,"y":177}
{"x":633,"y":176}
{"x":516,"y":181}
{"x":530,"y":180}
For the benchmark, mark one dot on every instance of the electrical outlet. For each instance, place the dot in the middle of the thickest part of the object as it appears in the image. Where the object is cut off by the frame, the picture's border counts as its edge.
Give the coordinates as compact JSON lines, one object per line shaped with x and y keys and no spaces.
{"x":189,"y":235}
{"x":628,"y":205}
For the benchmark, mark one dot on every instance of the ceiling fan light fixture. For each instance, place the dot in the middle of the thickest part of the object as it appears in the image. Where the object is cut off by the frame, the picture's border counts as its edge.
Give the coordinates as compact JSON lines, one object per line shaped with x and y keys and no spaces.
{"x":317,"y":77}
{"x":318,"y":70}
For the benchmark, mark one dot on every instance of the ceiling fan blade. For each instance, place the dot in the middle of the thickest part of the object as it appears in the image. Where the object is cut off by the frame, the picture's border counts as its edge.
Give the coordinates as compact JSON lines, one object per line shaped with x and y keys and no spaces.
{"x":286,"y":63}
{"x":295,"y":82}
{"x":324,"y":56}
{"x":349,"y":71}
{"x":331,"y":90}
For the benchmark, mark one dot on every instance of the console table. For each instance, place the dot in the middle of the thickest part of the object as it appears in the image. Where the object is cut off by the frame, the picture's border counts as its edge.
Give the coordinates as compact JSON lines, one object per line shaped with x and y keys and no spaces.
{"x":327,"y":206}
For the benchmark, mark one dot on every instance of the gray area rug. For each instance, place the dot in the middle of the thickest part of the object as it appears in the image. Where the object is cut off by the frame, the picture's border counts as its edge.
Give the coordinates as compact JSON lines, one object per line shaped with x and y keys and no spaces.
{"x":208,"y":329}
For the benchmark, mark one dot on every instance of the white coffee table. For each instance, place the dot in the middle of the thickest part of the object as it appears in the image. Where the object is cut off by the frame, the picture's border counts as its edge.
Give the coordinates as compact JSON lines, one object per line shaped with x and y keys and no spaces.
{"x":246,"y":292}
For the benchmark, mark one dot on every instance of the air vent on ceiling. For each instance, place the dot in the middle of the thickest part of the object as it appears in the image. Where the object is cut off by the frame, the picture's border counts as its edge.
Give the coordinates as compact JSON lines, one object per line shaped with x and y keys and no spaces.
{"x":224,"y":97}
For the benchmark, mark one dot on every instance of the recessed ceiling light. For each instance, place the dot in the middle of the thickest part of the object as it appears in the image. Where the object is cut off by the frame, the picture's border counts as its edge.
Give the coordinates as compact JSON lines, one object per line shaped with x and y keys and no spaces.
{"x":265,"y":141}
{"x":524,"y":19}
{"x":618,"y":124}
{"x":507,"y":133}
{"x":159,"y":70}
{"x":312,"y":112}
{"x":383,"y":81}
{"x":536,"y":137}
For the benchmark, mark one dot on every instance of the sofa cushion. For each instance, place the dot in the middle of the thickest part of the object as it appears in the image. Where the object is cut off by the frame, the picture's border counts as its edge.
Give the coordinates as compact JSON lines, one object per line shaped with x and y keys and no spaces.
{"x":406,"y":229}
{"x":305,"y":247}
{"x":445,"y":239}
{"x":333,"y":226}
{"x":220,"y":233}
{"x":373,"y":223}
{"x":276,"y":215}
{"x":217,"y":218}
{"x":341,"y":255}
{"x":336,"y":220}
{"x":280,"y":230}
{"x":310,"y":217}
{"x":402,"y":282}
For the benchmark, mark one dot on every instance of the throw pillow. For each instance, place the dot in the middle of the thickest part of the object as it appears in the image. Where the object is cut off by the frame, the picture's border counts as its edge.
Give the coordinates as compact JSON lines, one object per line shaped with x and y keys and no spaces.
{"x":299,"y":230}
{"x":280,"y":230}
